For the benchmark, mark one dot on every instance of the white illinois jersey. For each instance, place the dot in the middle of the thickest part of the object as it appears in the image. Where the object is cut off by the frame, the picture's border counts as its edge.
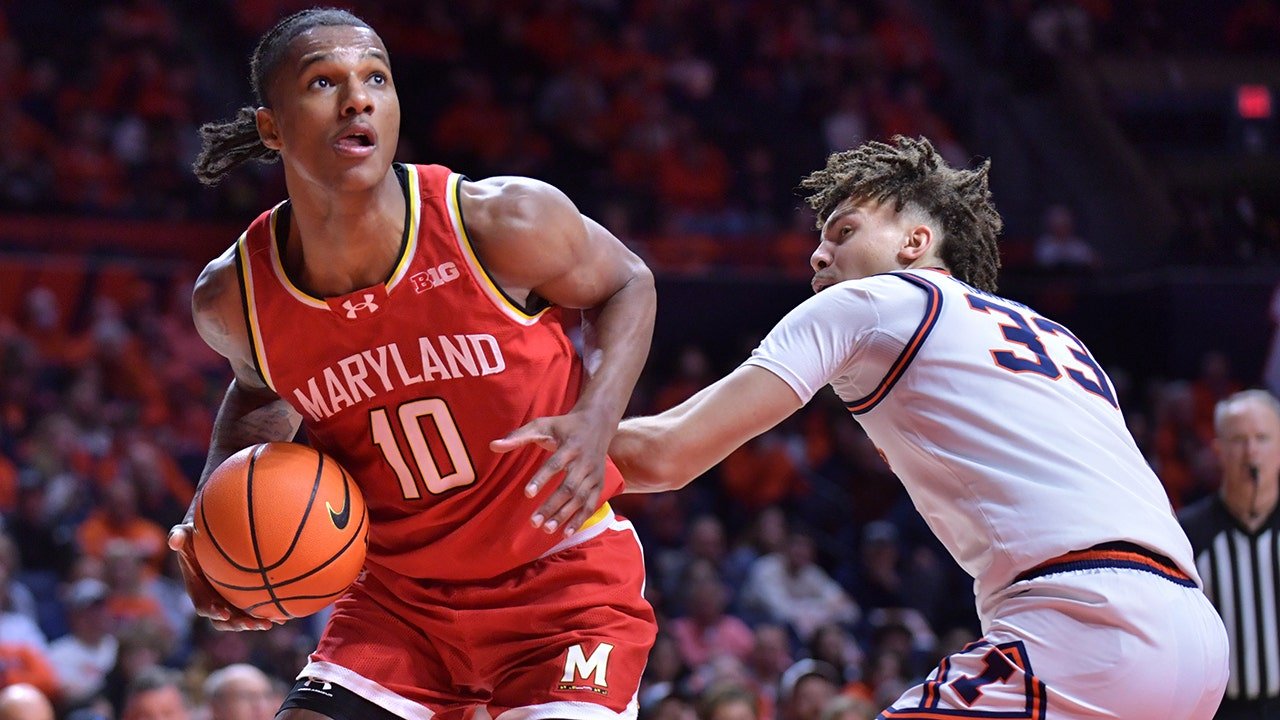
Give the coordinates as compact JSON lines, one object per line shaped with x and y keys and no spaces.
{"x":999,"y":423}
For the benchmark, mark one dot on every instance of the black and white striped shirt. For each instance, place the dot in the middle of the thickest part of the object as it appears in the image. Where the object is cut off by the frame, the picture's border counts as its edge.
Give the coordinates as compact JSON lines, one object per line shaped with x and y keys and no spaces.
{"x":1241,"y":573}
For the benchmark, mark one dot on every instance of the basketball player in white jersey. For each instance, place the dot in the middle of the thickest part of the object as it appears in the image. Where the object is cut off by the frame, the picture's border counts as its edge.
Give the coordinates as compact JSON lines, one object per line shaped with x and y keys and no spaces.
{"x":1006,"y":434}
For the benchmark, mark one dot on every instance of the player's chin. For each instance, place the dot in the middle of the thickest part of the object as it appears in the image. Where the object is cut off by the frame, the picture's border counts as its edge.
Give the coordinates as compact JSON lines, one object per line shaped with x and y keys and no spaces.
{"x":362,"y":174}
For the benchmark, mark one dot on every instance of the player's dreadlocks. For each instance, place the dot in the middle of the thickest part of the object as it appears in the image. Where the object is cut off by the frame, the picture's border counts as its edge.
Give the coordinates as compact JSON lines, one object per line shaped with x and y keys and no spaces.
{"x":230,"y":144}
{"x":910,"y":172}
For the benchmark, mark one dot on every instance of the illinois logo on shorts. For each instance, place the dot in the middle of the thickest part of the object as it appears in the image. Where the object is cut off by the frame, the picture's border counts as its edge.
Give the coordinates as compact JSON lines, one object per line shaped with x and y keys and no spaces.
{"x":980,"y":681}
{"x":586,"y":672}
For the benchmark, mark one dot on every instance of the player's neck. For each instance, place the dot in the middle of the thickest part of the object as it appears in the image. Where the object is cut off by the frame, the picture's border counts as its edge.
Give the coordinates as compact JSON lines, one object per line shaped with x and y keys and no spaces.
{"x":928,"y":262}
{"x":341,"y":242}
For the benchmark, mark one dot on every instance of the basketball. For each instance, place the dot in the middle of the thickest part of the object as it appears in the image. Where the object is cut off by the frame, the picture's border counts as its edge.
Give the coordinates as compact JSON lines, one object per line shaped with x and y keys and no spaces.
{"x":280,"y":530}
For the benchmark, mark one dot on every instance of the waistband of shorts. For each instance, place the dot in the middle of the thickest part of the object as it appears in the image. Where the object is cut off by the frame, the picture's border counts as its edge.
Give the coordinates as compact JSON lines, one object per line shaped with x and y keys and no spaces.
{"x":1122,"y":555}
{"x":592,"y":528}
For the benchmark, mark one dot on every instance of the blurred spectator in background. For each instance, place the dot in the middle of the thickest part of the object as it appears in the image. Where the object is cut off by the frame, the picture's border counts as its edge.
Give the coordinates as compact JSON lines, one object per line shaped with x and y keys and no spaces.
{"x":675,"y":706}
{"x":1180,"y":451}
{"x":703,"y":542}
{"x":880,"y":578}
{"x":1061,"y":28}
{"x":15,"y":597}
{"x":834,"y":645}
{"x":22,"y":701}
{"x":213,"y":649}
{"x":23,"y":646}
{"x":692,"y":373}
{"x":240,"y":692}
{"x":790,"y":587}
{"x":117,"y":519}
{"x":770,"y":657}
{"x":83,"y":657}
{"x":848,"y":707}
{"x":807,"y":687}
{"x":665,"y":674}
{"x":1213,"y":385}
{"x":27,"y":664}
{"x":156,"y":694}
{"x":765,"y":535}
{"x":142,"y":648}
{"x":706,"y":631}
{"x":727,"y":702}
{"x":763,"y":472}
{"x":130,"y":598}
{"x":1059,"y":248}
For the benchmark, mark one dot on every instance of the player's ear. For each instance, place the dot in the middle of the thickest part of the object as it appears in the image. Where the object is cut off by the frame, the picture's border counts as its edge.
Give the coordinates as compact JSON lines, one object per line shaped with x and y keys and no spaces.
{"x":267,"y":129}
{"x":917,"y":243}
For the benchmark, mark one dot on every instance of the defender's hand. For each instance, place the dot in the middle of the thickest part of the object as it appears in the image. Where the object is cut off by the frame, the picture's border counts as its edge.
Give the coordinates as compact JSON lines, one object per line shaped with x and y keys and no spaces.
{"x":206,"y":599}
{"x":577,"y":449}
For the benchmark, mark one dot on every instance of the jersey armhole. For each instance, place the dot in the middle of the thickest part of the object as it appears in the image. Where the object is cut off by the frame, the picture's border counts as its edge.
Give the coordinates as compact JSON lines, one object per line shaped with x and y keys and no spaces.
{"x":933,"y":308}
{"x":244,"y":277}
{"x":526,"y":313}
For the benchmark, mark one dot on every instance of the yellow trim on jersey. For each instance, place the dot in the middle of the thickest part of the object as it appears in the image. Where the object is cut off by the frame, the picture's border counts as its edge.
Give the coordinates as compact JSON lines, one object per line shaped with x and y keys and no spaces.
{"x":278,"y":265}
{"x":499,"y":299}
{"x":595,"y":518}
{"x":410,"y":247}
{"x":251,"y":312}
{"x":407,"y":252}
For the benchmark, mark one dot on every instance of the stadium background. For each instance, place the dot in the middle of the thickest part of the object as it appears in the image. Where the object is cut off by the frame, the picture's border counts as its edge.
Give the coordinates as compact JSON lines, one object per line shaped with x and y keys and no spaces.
{"x":1134,"y":149}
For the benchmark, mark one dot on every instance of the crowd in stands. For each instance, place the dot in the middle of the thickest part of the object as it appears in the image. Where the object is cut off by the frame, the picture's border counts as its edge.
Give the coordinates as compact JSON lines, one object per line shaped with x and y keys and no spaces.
{"x":677,"y":120}
{"x":682,"y":124}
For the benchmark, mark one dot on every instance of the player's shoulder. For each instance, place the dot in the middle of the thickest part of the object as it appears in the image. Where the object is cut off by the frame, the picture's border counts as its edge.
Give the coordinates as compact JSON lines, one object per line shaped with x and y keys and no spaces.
{"x":512,"y":203}
{"x":220,"y":275}
{"x":217,"y":306}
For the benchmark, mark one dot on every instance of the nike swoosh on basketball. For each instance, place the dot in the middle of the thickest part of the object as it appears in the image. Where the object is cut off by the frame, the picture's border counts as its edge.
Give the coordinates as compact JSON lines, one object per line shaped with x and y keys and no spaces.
{"x":340,"y":519}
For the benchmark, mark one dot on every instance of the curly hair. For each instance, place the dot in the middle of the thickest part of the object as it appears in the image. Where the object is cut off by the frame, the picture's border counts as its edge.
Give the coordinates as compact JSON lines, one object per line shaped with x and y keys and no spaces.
{"x":230,"y":144}
{"x":910,"y":172}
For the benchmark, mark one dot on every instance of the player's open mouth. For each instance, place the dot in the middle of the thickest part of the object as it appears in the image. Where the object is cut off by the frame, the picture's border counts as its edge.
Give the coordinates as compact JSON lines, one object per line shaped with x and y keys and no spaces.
{"x":356,"y":141}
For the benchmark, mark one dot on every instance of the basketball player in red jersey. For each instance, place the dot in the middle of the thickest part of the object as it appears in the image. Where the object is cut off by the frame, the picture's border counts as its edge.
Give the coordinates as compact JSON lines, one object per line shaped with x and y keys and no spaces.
{"x":409,"y":318}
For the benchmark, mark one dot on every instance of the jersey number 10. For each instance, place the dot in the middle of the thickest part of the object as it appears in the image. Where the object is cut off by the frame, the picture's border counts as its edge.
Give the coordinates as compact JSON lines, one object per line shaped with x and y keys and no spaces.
{"x":410,"y":416}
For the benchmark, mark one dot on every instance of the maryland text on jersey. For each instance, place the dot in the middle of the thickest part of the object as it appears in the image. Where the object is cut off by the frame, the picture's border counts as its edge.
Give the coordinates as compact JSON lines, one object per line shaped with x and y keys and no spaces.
{"x":370,"y":373}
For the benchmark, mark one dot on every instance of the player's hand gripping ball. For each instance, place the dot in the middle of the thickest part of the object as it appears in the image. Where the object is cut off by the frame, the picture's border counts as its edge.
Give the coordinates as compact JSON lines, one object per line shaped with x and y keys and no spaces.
{"x":281,"y":530}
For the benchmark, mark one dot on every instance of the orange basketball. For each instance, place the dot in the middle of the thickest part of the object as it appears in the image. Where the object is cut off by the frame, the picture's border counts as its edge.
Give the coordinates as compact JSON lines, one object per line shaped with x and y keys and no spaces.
{"x":281,"y":530}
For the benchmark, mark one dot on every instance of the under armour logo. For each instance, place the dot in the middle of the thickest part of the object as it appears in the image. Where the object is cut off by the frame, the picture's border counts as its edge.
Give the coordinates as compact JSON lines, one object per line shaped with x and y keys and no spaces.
{"x":353,"y":308}
{"x":322,"y":687}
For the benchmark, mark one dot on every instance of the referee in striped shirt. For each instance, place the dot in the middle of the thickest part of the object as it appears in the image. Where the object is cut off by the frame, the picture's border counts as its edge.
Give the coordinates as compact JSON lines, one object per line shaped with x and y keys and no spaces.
{"x":1236,"y":538}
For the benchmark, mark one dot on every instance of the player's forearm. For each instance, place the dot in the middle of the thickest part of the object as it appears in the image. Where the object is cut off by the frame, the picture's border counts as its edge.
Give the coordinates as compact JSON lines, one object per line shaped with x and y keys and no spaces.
{"x":667,"y":451}
{"x":623,"y":329}
{"x":246,"y":418}
{"x":646,"y":452}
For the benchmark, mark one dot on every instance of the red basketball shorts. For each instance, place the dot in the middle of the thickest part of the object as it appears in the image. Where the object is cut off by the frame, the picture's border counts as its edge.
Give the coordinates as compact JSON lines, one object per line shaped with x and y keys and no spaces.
{"x":566,"y":636}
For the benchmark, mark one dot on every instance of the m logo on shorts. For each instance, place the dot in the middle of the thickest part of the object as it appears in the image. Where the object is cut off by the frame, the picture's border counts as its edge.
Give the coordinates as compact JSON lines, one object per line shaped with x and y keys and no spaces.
{"x":583,"y":672}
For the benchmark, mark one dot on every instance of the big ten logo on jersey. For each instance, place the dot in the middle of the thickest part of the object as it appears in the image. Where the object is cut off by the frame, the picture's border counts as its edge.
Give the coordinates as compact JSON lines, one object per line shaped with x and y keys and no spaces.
{"x":586,"y":672}
{"x":434,"y":277}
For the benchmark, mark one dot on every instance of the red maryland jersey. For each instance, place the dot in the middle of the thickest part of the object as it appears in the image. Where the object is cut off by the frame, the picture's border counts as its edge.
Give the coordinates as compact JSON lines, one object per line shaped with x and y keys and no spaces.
{"x":405,"y":384}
